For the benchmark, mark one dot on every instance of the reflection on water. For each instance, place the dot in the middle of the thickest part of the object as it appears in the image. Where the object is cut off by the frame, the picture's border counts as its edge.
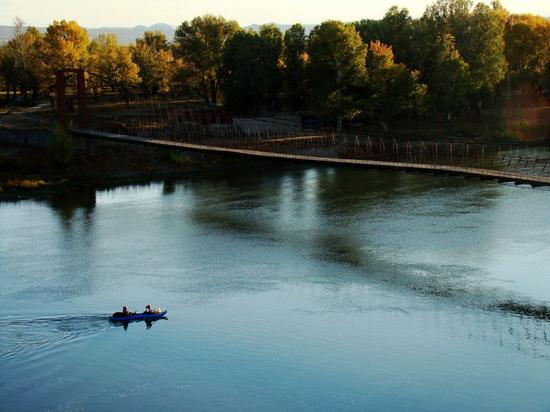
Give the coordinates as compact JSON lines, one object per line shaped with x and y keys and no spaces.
{"x":67,"y":204}
{"x":525,"y":309}
{"x":148,"y":323}
{"x":169,"y":187}
{"x":346,"y":273}
{"x":227,"y":211}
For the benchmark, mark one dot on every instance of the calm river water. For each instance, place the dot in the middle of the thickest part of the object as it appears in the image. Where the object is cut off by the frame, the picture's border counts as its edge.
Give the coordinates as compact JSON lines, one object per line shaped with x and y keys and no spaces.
{"x":298,"y":289}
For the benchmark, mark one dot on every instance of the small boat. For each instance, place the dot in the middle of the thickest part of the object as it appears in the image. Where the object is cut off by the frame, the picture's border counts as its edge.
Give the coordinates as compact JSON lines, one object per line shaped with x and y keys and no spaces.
{"x":119,"y":317}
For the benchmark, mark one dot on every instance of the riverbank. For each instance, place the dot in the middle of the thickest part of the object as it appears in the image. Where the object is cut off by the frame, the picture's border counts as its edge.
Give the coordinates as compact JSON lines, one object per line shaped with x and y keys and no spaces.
{"x":33,"y":172}
{"x":30,"y":166}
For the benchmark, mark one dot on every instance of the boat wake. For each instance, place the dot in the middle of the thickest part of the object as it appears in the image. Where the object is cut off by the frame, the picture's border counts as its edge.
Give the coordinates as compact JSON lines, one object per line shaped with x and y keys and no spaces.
{"x":21,"y":336}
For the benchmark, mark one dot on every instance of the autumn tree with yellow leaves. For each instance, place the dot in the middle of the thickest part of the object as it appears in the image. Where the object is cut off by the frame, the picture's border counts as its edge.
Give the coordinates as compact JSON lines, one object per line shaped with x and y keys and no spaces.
{"x":111,"y":65}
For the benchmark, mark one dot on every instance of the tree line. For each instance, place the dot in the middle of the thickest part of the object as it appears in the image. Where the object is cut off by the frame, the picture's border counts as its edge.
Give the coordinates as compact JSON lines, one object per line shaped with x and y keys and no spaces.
{"x":457,"y":57}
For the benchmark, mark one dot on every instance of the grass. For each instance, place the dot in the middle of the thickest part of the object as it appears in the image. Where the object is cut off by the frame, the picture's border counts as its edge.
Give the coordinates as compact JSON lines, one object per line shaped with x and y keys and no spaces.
{"x":23,"y":184}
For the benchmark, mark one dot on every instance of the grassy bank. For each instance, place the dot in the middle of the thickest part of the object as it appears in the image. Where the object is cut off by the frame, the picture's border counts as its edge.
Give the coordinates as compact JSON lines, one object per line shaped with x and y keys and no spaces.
{"x":29,"y":171}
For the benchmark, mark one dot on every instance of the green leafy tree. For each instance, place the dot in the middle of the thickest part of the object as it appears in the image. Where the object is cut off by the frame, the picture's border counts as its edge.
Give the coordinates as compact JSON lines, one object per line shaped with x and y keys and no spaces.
{"x":483,"y":48}
{"x":200,"y":42}
{"x":336,"y":69}
{"x":479,"y":37}
{"x":244,"y":78}
{"x":449,"y":17}
{"x":272,"y":50}
{"x":369,"y":30}
{"x":398,"y":31}
{"x":295,"y":59}
{"x":449,"y":77}
{"x":251,"y":71}
{"x":391,"y":87}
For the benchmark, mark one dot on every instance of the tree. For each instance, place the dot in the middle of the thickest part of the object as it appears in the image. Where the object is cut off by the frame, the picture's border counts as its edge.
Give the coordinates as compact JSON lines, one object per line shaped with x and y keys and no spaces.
{"x":527,"y":40}
{"x":200,"y":43}
{"x":244,"y":76}
{"x":65,"y":46}
{"x":449,"y":16}
{"x":184,"y":79}
{"x":336,"y":69}
{"x":449,"y":77}
{"x":295,"y":58}
{"x":251,"y":71}
{"x":545,"y":81}
{"x":153,"y":56}
{"x":272,"y":50}
{"x":32,"y":71}
{"x":20,"y":63}
{"x":479,"y":38}
{"x":398,"y":31}
{"x":112,"y":65}
{"x":7,"y":70}
{"x":483,"y":48}
{"x":369,"y":30}
{"x":391,"y":87}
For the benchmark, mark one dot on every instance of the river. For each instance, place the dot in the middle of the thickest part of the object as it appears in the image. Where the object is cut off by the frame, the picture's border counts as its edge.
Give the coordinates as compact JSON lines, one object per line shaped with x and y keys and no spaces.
{"x":296,"y":288}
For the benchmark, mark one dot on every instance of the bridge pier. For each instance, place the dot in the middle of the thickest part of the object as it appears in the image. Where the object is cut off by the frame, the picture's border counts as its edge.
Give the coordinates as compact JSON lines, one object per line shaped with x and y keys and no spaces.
{"x":61,"y":97}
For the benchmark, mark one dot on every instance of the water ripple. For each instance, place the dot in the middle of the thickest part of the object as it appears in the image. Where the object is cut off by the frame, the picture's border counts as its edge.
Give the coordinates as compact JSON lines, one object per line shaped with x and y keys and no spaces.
{"x":20,"y":336}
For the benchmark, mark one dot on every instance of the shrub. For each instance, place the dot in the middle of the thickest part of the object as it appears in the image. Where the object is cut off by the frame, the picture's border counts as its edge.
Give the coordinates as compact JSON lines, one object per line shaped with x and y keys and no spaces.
{"x":62,"y":145}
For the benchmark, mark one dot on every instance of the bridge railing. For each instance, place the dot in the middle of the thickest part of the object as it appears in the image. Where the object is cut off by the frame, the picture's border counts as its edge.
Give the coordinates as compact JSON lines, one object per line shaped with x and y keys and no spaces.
{"x":155,"y":121}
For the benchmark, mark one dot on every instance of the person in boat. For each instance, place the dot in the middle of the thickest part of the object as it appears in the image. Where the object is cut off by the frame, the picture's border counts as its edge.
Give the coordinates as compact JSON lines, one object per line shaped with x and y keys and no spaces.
{"x":124,"y":312}
{"x":150,"y":310}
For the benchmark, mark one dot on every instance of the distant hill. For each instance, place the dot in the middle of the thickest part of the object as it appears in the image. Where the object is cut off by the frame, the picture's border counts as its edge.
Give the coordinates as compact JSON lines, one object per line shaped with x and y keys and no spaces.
{"x":125,"y":34}
{"x":130,"y":34}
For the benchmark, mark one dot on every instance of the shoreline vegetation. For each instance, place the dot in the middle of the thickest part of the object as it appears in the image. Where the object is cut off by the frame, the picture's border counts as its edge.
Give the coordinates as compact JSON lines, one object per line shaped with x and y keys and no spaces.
{"x":458,"y":60}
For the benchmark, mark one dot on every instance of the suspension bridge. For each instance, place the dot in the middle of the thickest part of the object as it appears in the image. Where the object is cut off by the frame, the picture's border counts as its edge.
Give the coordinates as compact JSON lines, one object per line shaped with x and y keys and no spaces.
{"x":262,"y":153}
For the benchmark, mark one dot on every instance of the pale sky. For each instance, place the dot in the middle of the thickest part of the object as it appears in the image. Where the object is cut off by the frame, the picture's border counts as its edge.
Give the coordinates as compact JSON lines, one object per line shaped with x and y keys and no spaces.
{"x":129,"y":13}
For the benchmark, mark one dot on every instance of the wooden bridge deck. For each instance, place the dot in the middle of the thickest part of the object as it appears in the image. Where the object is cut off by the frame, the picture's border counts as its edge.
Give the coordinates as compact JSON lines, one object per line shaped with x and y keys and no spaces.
{"x":489,"y":174}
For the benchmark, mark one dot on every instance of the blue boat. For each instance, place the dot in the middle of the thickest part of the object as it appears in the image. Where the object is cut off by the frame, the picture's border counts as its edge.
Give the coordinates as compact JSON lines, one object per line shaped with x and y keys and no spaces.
{"x":119,"y":317}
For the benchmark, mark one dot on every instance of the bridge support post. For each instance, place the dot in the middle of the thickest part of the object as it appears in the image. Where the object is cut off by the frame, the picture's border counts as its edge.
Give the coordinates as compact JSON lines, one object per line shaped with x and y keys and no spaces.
{"x":81,"y":90}
{"x":60,"y":85}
